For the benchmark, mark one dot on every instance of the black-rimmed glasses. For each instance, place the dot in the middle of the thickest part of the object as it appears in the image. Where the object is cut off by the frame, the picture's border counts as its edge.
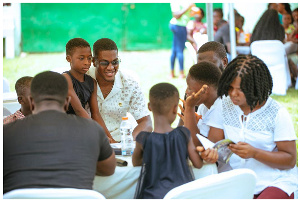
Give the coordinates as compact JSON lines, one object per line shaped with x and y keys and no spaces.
{"x":114,"y":63}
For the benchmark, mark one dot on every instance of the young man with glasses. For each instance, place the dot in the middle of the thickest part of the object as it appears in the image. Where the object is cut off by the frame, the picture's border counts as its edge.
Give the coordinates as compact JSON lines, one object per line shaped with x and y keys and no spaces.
{"x":118,"y":93}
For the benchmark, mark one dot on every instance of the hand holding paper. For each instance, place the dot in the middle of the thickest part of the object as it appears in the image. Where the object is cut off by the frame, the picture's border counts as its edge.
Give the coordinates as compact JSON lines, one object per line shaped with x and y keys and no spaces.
{"x":224,"y":153}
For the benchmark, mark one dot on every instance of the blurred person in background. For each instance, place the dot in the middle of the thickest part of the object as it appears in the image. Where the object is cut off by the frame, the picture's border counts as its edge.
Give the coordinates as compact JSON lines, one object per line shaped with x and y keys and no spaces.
{"x":181,"y":16}
{"x":22,"y":87}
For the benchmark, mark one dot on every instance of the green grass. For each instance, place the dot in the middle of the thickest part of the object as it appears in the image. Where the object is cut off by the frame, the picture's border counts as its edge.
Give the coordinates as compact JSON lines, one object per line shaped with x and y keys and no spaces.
{"x":150,"y":67}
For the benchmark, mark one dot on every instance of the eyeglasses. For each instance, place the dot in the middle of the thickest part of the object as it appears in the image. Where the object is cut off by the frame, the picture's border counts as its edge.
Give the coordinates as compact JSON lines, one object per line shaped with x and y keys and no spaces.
{"x":114,"y":63}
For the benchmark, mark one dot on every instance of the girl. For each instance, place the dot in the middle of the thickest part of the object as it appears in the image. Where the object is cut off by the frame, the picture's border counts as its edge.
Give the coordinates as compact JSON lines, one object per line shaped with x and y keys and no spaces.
{"x":164,"y":152}
{"x":261,"y":128}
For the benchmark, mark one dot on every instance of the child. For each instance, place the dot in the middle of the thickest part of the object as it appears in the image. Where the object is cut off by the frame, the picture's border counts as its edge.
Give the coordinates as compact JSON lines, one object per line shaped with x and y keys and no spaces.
{"x":261,"y":128}
{"x":207,"y":75}
{"x":82,"y":87}
{"x":22,"y":87}
{"x":213,"y":52}
{"x":287,"y":22}
{"x":164,"y":152}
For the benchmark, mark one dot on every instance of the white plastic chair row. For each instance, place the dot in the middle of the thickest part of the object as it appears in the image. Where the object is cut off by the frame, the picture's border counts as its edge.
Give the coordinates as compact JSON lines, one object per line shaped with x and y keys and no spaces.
{"x":53,"y":193}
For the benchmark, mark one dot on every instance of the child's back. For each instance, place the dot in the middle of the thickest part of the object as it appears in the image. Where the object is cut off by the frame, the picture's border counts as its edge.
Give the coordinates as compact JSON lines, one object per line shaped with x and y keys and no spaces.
{"x":163,"y":153}
{"x":165,"y":162}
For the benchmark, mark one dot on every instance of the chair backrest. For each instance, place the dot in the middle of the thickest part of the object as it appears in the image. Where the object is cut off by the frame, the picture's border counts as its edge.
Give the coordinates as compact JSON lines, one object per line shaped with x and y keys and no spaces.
{"x":234,"y":184}
{"x":272,"y":52}
{"x":53,"y":193}
{"x":6,"y":112}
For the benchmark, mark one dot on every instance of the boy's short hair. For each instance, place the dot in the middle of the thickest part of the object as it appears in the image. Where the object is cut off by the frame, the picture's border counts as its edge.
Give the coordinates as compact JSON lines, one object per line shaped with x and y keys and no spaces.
{"x":75,"y":43}
{"x":216,"y":47}
{"x":23,"y":83}
{"x":103,"y":44}
{"x":163,"y":97}
{"x":49,"y":85}
{"x":206,"y":72}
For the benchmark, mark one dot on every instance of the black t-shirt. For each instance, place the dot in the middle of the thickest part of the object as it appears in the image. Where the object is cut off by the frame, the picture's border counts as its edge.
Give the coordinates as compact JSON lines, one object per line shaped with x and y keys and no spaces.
{"x":52,"y":149}
{"x":83,"y":90}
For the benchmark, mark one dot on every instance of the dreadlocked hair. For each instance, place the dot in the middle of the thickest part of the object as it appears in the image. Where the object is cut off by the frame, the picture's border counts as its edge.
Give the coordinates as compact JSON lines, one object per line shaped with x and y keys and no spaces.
{"x":256,"y":80}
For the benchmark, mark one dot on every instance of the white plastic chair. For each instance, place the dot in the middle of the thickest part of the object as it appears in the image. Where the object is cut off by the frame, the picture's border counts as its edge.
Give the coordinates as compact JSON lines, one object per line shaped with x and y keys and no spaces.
{"x":53,"y":193}
{"x":6,"y":112}
{"x":191,"y":51}
{"x":272,"y":52}
{"x":234,"y":184}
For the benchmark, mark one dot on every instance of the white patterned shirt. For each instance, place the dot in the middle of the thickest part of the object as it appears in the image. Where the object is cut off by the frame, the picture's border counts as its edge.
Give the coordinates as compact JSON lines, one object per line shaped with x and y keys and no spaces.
{"x":125,"y":96}
{"x":261,"y":129}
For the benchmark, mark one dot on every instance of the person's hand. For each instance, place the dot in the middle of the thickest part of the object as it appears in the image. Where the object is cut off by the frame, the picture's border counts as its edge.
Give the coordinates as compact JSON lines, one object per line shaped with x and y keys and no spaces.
{"x":181,"y":115}
{"x":209,"y":155}
{"x":111,"y":140}
{"x":196,"y":98}
{"x":243,"y":150}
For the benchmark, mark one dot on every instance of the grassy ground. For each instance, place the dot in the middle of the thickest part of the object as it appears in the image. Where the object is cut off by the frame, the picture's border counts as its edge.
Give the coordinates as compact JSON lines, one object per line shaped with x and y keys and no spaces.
{"x":150,"y":67}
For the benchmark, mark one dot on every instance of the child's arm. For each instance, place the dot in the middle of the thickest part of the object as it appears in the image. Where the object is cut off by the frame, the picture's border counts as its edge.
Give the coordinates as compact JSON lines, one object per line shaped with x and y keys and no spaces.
{"x":137,"y":156}
{"x":215,"y":134}
{"x":96,"y":114}
{"x":194,"y":155}
{"x":75,"y":102}
{"x":284,"y":158}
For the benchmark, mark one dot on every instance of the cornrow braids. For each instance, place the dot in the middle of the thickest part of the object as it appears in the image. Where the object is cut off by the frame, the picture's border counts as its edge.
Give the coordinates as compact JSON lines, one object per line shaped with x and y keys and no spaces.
{"x":256,"y":80}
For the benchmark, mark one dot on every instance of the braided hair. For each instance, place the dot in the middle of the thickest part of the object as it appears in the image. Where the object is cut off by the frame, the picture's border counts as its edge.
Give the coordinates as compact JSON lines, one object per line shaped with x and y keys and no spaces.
{"x":256,"y":80}
{"x":268,"y":27}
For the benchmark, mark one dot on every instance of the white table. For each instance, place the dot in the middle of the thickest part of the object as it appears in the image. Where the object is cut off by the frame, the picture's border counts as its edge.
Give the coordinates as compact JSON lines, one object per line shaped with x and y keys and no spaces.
{"x":122,"y":184}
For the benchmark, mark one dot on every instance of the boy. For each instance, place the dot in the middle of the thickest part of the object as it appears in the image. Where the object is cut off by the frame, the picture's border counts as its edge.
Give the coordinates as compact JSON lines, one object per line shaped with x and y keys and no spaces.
{"x":164,"y":148}
{"x":200,"y":75}
{"x":22,"y":87}
{"x":81,"y":87}
{"x":213,"y":52}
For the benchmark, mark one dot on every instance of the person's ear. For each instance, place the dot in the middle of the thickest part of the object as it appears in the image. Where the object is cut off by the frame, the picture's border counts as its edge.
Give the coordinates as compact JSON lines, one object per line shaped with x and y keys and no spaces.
{"x":20,"y":100}
{"x":68,"y":58}
{"x":31,"y":103}
{"x":67,"y":102}
{"x":175,"y":109}
{"x":149,"y":107}
{"x":225,"y":62}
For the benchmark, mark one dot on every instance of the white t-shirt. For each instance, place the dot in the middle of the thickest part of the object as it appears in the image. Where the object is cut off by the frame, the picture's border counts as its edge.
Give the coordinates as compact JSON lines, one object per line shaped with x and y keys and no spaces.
{"x":206,"y":116}
{"x":184,"y":19}
{"x":125,"y":96}
{"x":262,"y":128}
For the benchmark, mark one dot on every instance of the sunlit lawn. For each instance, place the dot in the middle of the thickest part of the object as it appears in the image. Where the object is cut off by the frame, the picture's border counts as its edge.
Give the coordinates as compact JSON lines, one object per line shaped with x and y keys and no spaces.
{"x":150,"y":67}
